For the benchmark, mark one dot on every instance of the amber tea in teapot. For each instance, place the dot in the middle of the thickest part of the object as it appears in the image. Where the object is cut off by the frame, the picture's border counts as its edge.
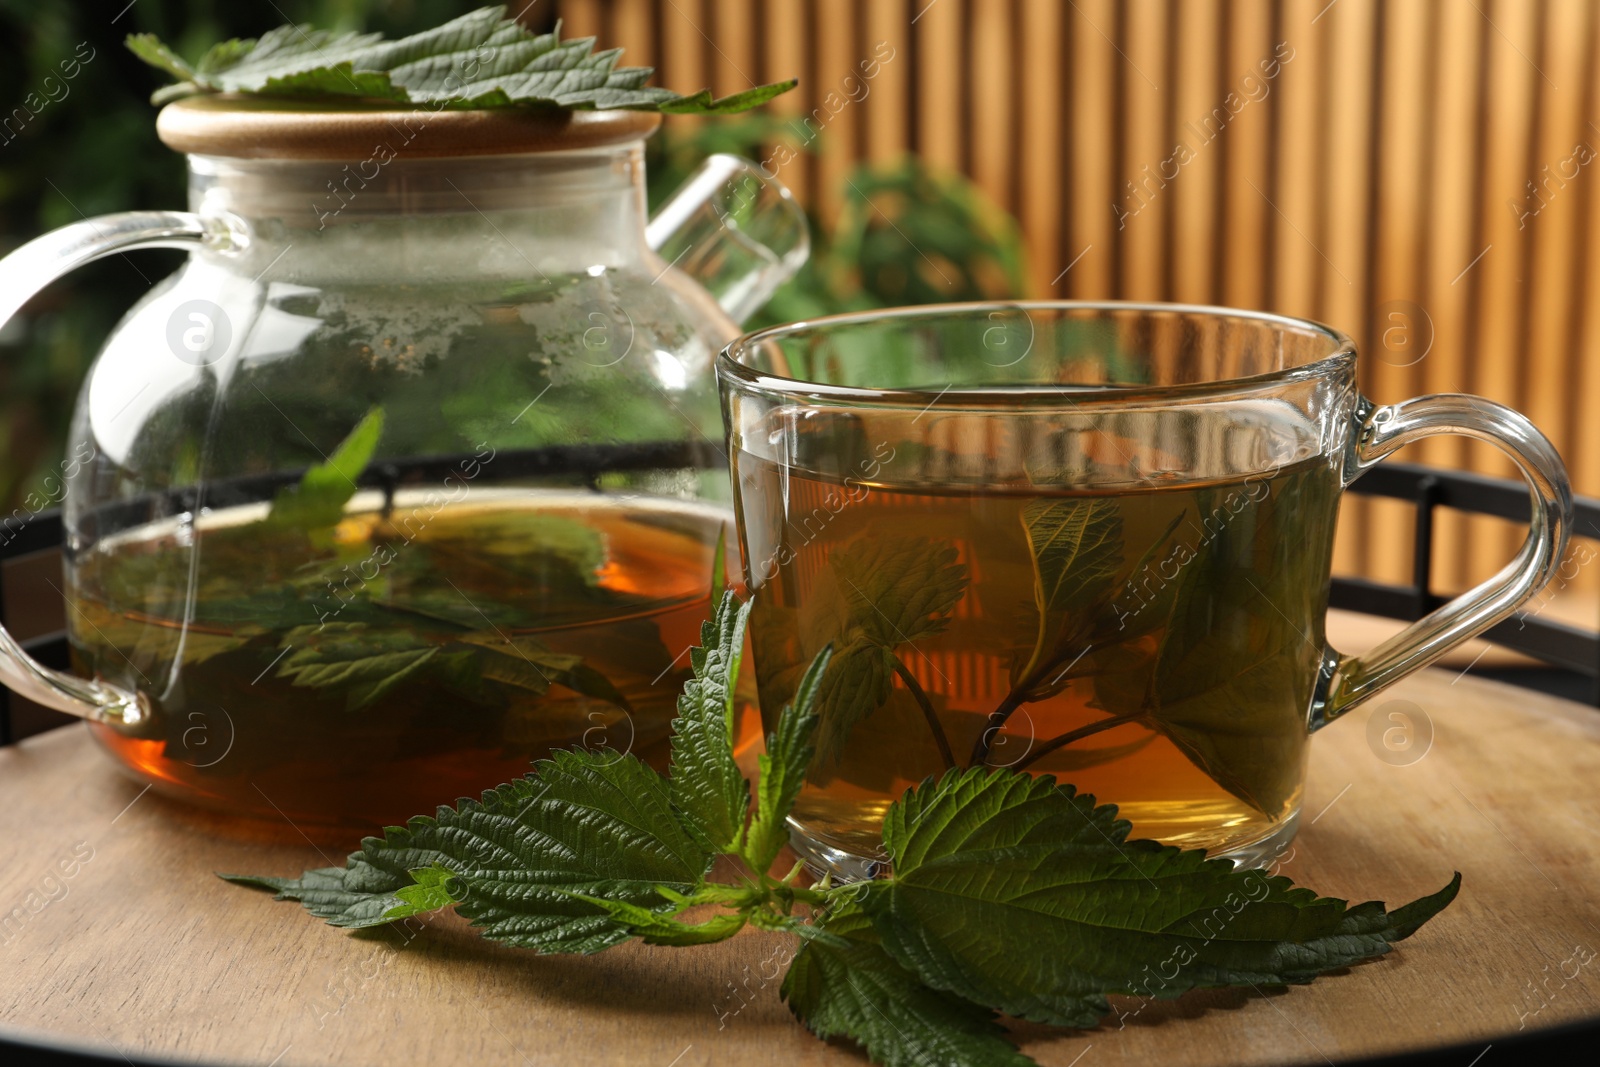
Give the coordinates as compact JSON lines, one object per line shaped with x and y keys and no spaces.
{"x":405,"y":657}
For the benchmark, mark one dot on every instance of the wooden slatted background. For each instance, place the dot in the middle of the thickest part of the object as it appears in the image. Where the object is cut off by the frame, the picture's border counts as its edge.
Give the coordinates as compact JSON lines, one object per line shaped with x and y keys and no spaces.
{"x":1413,"y":172}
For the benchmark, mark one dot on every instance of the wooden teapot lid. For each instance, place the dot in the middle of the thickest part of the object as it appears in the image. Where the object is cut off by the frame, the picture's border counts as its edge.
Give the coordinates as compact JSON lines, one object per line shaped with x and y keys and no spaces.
{"x":242,"y":127}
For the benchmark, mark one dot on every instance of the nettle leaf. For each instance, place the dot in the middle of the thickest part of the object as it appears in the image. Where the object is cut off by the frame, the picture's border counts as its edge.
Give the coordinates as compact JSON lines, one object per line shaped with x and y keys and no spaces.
{"x":150,"y":48}
{"x":1233,"y":675}
{"x":885,"y":593}
{"x":1143,"y":600}
{"x":531,"y":670}
{"x":842,"y":983}
{"x":783,"y":768}
{"x":366,"y":662}
{"x":322,"y":492}
{"x":522,"y":544}
{"x":369,"y":660}
{"x":523,"y":662}
{"x":1022,"y":896}
{"x":1143,"y":570}
{"x":707,"y":785}
{"x":857,"y":684}
{"x":1076,"y":547}
{"x":524,"y":862}
{"x":900,"y":726}
{"x":219,"y":56}
{"x":719,"y":567}
{"x":900,"y":590}
{"x":480,"y":60}
{"x":353,"y":896}
{"x":1245,"y":728}
{"x":703,"y":103}
{"x":433,"y":888}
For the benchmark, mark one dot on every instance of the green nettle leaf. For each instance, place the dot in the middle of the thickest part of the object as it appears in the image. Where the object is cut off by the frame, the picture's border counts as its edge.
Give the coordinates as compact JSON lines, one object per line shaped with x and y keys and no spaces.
{"x":508,"y":665}
{"x":719,"y":567}
{"x":842,"y":983}
{"x":151,"y":49}
{"x":900,"y":590}
{"x":366,"y":662}
{"x":353,"y":896}
{"x":1134,"y":614}
{"x":899,"y":725}
{"x":434,"y":888}
{"x":1022,"y":896}
{"x":1243,"y":727}
{"x":1076,"y":547}
{"x":707,"y":785}
{"x":1232,"y":679}
{"x":890,"y":592}
{"x":322,"y":492}
{"x":783,"y":769}
{"x":524,"y":861}
{"x":534,"y":544}
{"x":523,"y":662}
{"x":858,"y":684}
{"x":480,"y":60}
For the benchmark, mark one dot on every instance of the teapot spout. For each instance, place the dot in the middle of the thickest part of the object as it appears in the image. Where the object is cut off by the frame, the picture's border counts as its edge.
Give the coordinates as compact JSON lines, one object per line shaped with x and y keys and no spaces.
{"x":736,"y":231}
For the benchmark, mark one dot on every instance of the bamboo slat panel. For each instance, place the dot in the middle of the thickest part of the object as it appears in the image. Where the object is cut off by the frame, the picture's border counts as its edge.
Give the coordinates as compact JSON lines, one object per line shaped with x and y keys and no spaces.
{"x":888,"y":120}
{"x":1413,"y":172}
{"x":1146,"y":147}
{"x":939,"y":44}
{"x":1248,"y":216}
{"x":1449,"y":240}
{"x":786,"y":49}
{"x":1197,"y":70}
{"x":1091,"y":191}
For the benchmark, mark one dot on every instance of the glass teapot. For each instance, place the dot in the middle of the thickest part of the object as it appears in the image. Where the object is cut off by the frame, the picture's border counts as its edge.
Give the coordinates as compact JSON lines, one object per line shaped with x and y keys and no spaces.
{"x":411,"y":473}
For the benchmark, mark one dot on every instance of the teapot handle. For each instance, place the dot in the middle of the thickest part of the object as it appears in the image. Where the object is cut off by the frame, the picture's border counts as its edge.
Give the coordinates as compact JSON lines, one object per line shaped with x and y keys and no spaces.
{"x":736,"y":230}
{"x":22,"y":274}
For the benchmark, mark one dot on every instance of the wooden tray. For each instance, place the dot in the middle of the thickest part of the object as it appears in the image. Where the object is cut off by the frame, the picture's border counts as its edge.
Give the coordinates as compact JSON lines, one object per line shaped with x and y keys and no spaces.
{"x":142,"y":952}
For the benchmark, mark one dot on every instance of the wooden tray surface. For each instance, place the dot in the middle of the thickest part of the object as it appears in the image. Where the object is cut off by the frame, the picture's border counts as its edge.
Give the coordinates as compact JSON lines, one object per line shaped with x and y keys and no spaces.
{"x":142,"y":951}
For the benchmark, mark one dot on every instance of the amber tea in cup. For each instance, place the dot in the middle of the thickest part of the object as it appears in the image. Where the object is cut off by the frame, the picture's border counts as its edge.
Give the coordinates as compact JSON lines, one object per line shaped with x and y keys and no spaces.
{"x":1088,"y":540}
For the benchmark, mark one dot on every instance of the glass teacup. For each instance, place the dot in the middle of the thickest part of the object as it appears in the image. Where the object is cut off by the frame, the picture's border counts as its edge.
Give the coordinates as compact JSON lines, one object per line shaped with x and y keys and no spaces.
{"x":1092,"y":540}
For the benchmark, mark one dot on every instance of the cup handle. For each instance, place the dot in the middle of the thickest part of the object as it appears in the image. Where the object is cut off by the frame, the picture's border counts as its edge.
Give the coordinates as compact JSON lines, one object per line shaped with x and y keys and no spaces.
{"x":1379,"y":431}
{"x":22,"y":274}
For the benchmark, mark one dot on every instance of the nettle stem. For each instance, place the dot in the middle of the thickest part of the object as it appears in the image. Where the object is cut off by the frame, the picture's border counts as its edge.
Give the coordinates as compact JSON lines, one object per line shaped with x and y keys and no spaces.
{"x":1076,"y":735}
{"x":997,"y":718}
{"x":1019,"y":696}
{"x":920,"y":695}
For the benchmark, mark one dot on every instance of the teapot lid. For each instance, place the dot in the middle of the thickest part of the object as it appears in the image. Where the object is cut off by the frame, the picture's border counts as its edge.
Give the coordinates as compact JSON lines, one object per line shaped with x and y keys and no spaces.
{"x":243,"y":127}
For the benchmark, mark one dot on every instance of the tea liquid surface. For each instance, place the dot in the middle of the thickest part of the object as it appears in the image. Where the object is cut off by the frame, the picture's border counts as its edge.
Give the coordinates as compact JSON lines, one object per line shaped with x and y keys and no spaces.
{"x":355,"y":678}
{"x":1156,"y":646}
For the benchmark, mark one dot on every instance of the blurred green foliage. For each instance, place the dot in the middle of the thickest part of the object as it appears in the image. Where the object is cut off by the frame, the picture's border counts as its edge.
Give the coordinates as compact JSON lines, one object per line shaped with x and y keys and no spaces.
{"x":84,"y":145}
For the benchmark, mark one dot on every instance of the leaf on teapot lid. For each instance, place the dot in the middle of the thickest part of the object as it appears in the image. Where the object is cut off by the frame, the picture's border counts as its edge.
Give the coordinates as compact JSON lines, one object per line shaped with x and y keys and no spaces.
{"x":481,"y":60}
